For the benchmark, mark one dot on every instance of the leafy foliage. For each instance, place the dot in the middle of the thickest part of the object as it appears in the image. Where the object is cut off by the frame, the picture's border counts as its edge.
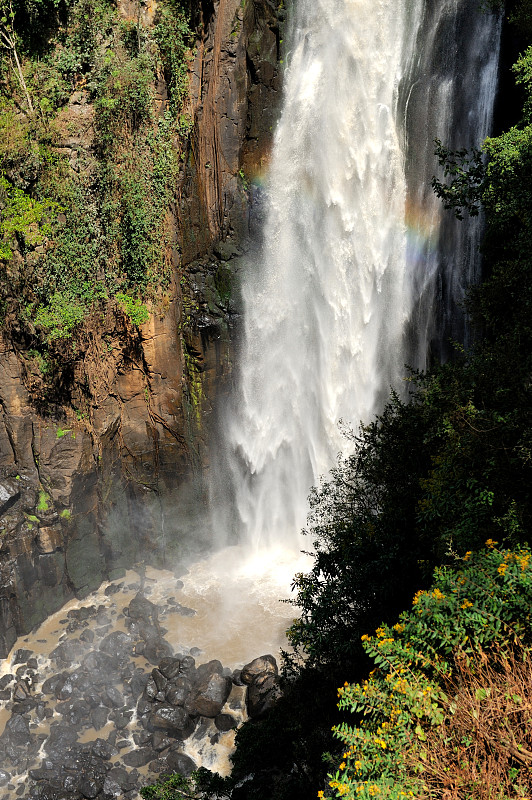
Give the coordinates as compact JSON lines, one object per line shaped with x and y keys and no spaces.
{"x":83,"y":234}
{"x":23,"y":218}
{"x":174,"y":787}
{"x":482,"y":606}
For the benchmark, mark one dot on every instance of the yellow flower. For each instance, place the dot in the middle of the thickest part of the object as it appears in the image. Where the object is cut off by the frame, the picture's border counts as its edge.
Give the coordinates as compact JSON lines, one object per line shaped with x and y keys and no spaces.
{"x":467,"y":555}
{"x":342,"y":765}
{"x":438,"y":595}
{"x":365,"y":638}
{"x":491,"y":543}
{"x":502,"y":568}
{"x":398,"y":628}
{"x":417,"y":597}
{"x":320,"y":794}
{"x":380,"y":633}
{"x":466,"y":604}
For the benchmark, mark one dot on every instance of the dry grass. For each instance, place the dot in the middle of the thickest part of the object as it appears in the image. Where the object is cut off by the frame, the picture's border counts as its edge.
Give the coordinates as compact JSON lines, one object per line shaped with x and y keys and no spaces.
{"x":483,"y":750}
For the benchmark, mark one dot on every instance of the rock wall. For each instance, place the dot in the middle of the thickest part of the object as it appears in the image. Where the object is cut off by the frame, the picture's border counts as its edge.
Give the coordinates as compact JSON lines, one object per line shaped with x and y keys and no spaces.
{"x":98,"y":484}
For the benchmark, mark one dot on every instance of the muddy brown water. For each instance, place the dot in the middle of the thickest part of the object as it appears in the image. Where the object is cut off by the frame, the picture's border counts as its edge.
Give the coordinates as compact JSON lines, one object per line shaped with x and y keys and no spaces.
{"x":238,"y":616}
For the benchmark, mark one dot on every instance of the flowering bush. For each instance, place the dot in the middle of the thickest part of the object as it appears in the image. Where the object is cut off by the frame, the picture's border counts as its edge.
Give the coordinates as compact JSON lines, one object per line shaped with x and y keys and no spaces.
{"x":474,"y":620}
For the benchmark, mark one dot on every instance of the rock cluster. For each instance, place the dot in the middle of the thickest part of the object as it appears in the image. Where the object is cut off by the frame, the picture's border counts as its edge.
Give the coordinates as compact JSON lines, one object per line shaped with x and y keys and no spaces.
{"x":138,"y":720}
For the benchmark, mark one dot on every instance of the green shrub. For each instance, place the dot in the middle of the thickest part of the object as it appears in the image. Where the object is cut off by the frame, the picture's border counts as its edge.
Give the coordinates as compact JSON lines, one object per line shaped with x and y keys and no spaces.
{"x":60,"y":316}
{"x":23,"y":218}
{"x":133,"y":307}
{"x":482,"y":606}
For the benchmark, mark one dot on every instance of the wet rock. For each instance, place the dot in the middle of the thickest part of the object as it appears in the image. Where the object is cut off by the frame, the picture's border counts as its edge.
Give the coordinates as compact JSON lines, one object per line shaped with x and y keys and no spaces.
{"x":237,"y":677}
{"x":142,"y":608}
{"x":112,"y":698}
{"x":83,"y":613}
{"x":90,"y":788}
{"x":262,"y":694}
{"x":168,"y":718}
{"x":204,"y":671}
{"x":74,"y":713}
{"x":87,"y":636}
{"x":183,"y":611}
{"x":263,"y":664}
{"x":113,"y":588}
{"x":59,"y":741}
{"x":159,"y":680}
{"x":21,"y":655}
{"x":117,"y":644}
{"x":121,"y":720}
{"x":24,"y":706}
{"x":150,"y":690}
{"x":139,"y":757}
{"x":161,"y":741}
{"x":17,"y":730}
{"x":102,"y":749}
{"x":179,"y":762}
{"x":5,"y":777}
{"x":178,"y":690}
{"x":98,"y":717}
{"x":67,"y":652}
{"x":188,"y":666}
{"x":64,"y":690}
{"x":100,"y":664}
{"x":50,"y":684}
{"x":225,"y":722}
{"x":156,"y":650}
{"x":21,"y":691}
{"x":137,"y":684}
{"x":118,"y":782}
{"x":170,"y":667}
{"x":210,"y":696}
{"x":6,"y":680}
{"x":158,"y":766}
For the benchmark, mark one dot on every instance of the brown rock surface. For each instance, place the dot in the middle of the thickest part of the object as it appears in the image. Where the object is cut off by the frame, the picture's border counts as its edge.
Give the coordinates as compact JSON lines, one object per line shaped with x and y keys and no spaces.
{"x":133,"y":421}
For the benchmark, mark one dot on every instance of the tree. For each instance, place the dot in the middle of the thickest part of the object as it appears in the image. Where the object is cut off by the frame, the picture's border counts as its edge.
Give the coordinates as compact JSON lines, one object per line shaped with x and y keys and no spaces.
{"x":8,"y":39}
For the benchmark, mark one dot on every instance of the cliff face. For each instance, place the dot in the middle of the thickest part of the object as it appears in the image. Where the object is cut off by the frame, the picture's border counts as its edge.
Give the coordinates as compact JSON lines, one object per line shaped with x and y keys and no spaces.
{"x":86,"y":484}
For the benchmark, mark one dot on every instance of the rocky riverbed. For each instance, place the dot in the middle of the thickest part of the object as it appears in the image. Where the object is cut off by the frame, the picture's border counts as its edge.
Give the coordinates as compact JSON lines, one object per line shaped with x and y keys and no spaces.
{"x":102,"y":701}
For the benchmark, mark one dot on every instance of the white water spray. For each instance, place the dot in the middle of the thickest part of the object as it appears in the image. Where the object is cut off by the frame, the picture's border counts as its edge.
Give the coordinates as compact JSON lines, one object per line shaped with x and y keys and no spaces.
{"x":343,"y":294}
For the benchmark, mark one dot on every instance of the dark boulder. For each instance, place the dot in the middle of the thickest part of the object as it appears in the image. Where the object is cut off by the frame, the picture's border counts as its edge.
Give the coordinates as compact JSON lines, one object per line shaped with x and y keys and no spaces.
{"x":159,"y":679}
{"x":225,"y":722}
{"x":209,"y":696}
{"x":178,"y":690}
{"x":139,"y":757}
{"x":168,"y":718}
{"x":157,"y":649}
{"x":263,"y":664}
{"x":262,"y":694}
{"x":142,"y":608}
{"x":179,"y":762}
{"x":17,"y":730}
{"x":117,"y":644}
{"x":169,"y":667}
{"x":90,"y":787}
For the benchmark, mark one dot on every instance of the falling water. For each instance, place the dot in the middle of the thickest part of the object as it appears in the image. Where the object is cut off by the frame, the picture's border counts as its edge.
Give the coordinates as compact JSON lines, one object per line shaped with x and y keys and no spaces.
{"x":356,"y":252}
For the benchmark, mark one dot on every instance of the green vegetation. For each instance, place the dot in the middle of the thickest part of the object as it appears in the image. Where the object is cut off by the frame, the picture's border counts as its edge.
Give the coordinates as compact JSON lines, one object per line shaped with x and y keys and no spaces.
{"x":43,"y":501}
{"x":472,"y":626}
{"x":175,"y":787}
{"x":89,"y":162}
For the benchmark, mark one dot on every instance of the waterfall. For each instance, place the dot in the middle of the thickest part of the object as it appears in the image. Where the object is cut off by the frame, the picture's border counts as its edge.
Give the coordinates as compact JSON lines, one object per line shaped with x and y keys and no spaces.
{"x":357,"y":253}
